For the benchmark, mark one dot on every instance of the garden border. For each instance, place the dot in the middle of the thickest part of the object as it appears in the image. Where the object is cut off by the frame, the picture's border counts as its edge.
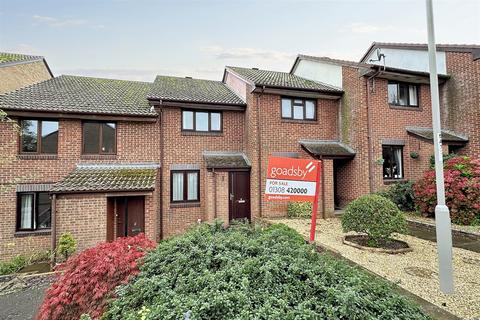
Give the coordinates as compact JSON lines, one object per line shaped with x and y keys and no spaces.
{"x":382,"y":250}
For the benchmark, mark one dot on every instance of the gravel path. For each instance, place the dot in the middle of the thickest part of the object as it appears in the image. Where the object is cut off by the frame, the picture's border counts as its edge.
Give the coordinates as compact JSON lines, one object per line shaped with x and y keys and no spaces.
{"x":414,"y":271}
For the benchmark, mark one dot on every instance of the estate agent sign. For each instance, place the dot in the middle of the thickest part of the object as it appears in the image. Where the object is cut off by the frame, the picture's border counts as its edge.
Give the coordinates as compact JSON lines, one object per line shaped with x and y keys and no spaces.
{"x":290,"y":179}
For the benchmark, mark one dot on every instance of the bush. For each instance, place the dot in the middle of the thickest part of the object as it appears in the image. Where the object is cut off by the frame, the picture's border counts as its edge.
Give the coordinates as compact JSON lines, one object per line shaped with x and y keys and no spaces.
{"x":446,"y":157}
{"x":299,"y":209}
{"x":375,"y":216}
{"x":400,"y":193}
{"x":88,"y":280}
{"x":249,"y":272}
{"x":13,"y":265}
{"x":462,"y":190}
{"x":66,"y":245}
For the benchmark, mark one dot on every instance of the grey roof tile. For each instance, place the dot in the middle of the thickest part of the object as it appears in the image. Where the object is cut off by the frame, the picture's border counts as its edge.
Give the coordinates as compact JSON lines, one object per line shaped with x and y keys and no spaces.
{"x":75,"y":94}
{"x":193,"y":90}
{"x":279,"y":79}
{"x":427,"y":133}
{"x":327,"y":148}
{"x":225,"y":160}
{"x":8,"y":57}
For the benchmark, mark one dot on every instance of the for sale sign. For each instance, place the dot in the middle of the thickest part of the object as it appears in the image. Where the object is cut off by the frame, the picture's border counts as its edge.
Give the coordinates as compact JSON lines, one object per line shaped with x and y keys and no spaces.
{"x":291,"y":179}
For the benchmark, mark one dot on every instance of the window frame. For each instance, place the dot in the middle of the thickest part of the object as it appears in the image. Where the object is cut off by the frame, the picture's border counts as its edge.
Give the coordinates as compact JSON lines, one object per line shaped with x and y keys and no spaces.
{"x":392,"y":147}
{"x":304,"y":107}
{"x":194,"y":111}
{"x":39,"y":136}
{"x":100,"y":138}
{"x":34,"y":214}
{"x":408,"y":84}
{"x":185,"y":186}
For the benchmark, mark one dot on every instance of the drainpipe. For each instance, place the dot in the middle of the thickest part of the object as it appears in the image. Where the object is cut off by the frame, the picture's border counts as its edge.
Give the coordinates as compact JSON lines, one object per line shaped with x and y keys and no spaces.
{"x":160,"y":183}
{"x":324,"y":214}
{"x":369,"y":130}
{"x":259,"y":151}
{"x":214,"y":193}
{"x":53,"y":235}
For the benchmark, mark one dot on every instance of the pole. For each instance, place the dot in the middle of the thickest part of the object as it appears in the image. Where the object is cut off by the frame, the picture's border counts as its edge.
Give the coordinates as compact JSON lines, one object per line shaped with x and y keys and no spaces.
{"x":313,"y":225}
{"x":442,"y":214}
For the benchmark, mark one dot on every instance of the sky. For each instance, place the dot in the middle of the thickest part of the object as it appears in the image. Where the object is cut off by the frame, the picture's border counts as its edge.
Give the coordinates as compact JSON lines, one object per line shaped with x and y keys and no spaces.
{"x":138,"y":39}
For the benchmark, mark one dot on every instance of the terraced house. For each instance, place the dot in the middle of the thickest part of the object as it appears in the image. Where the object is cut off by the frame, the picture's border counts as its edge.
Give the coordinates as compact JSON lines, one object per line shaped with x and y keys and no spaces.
{"x":104,"y":158}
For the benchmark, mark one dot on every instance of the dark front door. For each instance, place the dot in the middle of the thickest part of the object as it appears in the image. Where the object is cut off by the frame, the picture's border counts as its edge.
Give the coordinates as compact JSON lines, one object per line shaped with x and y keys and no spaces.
{"x":130,"y":216}
{"x":239,"y":193}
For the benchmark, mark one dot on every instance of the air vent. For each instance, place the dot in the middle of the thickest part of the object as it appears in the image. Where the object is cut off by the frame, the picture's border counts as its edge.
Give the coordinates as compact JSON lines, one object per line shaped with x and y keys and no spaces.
{"x":254,"y":68}
{"x":188,"y":77}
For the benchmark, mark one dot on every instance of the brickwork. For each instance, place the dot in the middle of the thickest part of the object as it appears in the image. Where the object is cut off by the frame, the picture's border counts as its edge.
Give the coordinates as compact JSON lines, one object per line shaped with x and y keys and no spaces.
{"x":21,"y":75}
{"x":216,"y":191}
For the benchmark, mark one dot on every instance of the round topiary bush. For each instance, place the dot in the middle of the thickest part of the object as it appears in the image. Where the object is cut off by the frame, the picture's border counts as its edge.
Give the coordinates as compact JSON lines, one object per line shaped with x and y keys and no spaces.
{"x":375,"y":216}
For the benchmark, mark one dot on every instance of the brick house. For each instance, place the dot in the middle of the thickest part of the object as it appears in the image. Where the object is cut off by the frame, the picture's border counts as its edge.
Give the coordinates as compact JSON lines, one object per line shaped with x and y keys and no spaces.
{"x":20,"y":70}
{"x":106,"y":158}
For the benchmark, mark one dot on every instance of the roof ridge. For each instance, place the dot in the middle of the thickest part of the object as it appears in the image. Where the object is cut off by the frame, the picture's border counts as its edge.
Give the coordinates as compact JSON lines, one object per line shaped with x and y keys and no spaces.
{"x":98,"y":78}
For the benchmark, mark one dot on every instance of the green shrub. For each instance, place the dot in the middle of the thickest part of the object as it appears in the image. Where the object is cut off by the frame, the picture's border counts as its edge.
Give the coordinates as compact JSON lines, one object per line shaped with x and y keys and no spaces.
{"x":253,"y":272}
{"x":400,"y":193}
{"x":66,"y":245}
{"x":446,"y":157}
{"x":13,"y":265}
{"x":299,"y":209}
{"x":375,"y":216}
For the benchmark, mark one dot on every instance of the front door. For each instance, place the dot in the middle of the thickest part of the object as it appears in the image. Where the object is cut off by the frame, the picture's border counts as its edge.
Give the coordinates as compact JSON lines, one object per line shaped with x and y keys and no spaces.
{"x":239,"y":193}
{"x":130,"y":216}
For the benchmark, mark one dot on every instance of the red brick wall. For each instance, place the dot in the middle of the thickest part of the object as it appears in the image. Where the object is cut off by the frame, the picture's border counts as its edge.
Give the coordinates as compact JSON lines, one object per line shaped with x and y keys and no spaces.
{"x":217,"y":187}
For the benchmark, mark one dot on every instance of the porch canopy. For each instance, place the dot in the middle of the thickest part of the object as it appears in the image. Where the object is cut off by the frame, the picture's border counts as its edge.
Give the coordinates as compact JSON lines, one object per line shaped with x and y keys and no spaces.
{"x":447,"y":135}
{"x":226,"y":160}
{"x":331,"y":149}
{"x":108,"y":178}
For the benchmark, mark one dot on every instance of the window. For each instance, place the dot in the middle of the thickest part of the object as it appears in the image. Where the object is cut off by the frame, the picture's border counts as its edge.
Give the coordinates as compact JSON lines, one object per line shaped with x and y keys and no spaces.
{"x":33,"y":211}
{"x":298,"y":109}
{"x":185,"y":186}
{"x":201,"y":121}
{"x":402,"y":94}
{"x":99,"y":137}
{"x":39,"y":136}
{"x":392,"y":162}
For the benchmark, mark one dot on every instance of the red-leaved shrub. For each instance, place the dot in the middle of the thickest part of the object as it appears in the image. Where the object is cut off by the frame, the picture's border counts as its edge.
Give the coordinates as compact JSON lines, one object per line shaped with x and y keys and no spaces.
{"x":462,"y":190}
{"x":88,"y":280}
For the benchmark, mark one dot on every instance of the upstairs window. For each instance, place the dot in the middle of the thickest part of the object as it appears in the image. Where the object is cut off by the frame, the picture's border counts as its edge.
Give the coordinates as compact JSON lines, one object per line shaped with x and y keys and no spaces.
{"x":34,"y":211}
{"x":402,"y":94}
{"x":99,"y":137}
{"x":39,"y":136}
{"x":392,"y":162}
{"x":185,"y":186}
{"x":201,"y":121}
{"x":299,"y":109}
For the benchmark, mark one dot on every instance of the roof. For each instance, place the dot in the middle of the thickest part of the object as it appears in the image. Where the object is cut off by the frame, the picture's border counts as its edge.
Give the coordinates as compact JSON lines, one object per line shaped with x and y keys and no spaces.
{"x":277,"y":79}
{"x":327,"y":148}
{"x":339,"y":62}
{"x":8,"y":57}
{"x":108,"y":177}
{"x":86,"y":95}
{"x":225,"y":160}
{"x":420,"y":46}
{"x":178,"y":89}
{"x":427,"y":133}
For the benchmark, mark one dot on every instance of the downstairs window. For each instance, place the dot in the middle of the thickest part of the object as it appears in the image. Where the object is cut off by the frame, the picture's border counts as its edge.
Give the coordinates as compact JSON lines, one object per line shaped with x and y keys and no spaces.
{"x":34,"y":211}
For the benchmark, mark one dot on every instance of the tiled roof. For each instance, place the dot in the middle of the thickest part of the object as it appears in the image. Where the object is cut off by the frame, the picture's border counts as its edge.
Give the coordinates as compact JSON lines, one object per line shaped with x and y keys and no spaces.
{"x":427,"y":133}
{"x":327,"y":148}
{"x":193,"y":90}
{"x":281,"y":80}
{"x":115,"y":177}
{"x":225,"y":160}
{"x":7,"y":57}
{"x":333,"y":61}
{"x":76,"y":94}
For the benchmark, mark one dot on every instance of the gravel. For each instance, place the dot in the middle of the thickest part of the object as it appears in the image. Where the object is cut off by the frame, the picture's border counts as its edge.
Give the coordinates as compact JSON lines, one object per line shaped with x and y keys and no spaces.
{"x":414,"y":271}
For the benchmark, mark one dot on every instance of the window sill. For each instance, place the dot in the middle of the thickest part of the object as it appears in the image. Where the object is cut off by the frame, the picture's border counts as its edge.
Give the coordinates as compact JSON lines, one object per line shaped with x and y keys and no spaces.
{"x":199,"y":133}
{"x":20,"y":234}
{"x":185,"y":205}
{"x":300,"y":121}
{"x":37,"y":156}
{"x":399,"y":107}
{"x":392,"y":181}
{"x":98,"y":156}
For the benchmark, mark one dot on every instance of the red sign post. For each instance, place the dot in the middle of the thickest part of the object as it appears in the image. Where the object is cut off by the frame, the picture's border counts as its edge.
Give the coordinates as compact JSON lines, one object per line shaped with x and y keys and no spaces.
{"x":291,"y":179}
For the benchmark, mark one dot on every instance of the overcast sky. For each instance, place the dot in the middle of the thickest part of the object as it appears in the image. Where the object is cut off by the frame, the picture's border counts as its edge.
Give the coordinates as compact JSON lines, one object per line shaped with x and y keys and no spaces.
{"x":137,"y":39}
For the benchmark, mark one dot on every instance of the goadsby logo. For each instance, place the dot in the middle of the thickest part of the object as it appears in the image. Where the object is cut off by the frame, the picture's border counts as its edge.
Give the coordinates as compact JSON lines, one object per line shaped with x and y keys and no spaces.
{"x":292,"y":171}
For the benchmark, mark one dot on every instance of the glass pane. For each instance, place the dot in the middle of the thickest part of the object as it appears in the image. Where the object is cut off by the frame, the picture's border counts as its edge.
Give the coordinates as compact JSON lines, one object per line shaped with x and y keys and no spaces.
{"x":201,"y":121}
{"x":108,"y":137}
{"x":26,"y":211}
{"x":29,"y":135}
{"x":387,"y":162}
{"x":49,"y":136}
{"x":298,"y":101}
{"x":215,"y":121}
{"x":297,"y":112}
{"x":309,"y":109}
{"x":91,"y":137}
{"x":403,"y":95}
{"x":44,"y":210}
{"x":286,"y":108}
{"x":392,"y":93}
{"x":177,"y":186}
{"x":397,"y":163}
{"x":192,"y":186}
{"x":413,"y":95}
{"x":187,"y":121}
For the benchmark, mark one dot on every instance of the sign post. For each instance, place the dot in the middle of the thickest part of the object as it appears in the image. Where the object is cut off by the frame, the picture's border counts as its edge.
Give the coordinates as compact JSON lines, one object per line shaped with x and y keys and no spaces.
{"x":290,"y":179}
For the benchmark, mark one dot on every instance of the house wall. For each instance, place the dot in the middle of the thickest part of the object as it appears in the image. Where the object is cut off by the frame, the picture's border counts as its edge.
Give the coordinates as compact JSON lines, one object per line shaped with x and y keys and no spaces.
{"x":416,"y":60}
{"x":319,"y":71}
{"x":20,"y":75}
